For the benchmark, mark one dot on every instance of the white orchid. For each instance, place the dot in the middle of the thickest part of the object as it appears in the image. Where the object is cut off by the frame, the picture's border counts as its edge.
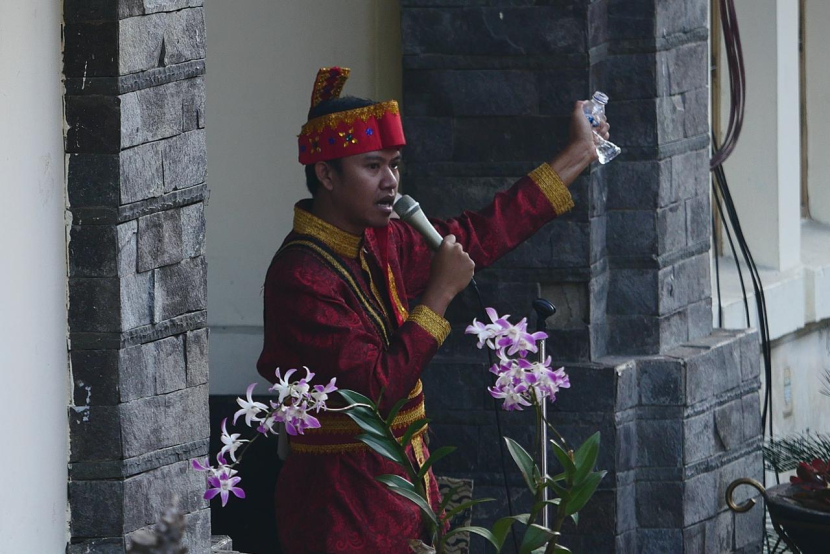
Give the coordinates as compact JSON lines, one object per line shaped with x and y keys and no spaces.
{"x":231,"y":442}
{"x":249,"y":408}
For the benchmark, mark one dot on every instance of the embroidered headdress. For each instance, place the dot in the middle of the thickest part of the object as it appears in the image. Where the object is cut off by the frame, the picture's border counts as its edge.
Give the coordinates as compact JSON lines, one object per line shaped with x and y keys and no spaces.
{"x":350,"y":132}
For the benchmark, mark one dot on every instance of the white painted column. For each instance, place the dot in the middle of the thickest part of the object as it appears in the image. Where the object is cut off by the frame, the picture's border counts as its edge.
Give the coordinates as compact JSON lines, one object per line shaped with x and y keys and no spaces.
{"x":764,"y":170}
{"x":818,"y":106}
{"x":33,"y":353}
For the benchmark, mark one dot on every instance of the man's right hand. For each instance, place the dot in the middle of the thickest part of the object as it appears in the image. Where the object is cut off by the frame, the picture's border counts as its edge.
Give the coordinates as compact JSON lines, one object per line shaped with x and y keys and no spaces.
{"x":450,"y":273}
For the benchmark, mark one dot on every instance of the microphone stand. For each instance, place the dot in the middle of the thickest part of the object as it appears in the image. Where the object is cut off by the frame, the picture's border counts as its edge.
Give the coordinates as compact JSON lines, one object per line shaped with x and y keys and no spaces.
{"x":544,"y":310}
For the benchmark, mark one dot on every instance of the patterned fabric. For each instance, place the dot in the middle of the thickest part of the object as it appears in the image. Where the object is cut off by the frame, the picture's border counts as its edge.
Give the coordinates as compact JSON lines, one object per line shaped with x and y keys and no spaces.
{"x":321,"y":312}
{"x":459,"y":543}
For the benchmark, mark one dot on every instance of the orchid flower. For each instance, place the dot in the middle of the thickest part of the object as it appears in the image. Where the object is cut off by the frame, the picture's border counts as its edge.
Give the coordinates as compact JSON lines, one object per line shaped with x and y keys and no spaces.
{"x":297,"y":419}
{"x":487,"y":332}
{"x":231,"y":442}
{"x":223,"y":484}
{"x":321,"y":394}
{"x":250,"y":408}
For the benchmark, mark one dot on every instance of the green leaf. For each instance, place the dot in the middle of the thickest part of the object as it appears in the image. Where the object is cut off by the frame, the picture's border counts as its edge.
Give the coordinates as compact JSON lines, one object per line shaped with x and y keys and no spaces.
{"x":538,"y":506}
{"x":412,"y":429}
{"x":352,"y":397}
{"x":463,"y":506}
{"x":583,"y":492}
{"x":563,"y":493}
{"x":387,"y":448}
{"x":575,"y":517}
{"x":368,"y":421}
{"x":563,"y":549}
{"x":564,"y":459}
{"x":395,"y":481}
{"x":481,"y":531}
{"x":535,"y":536}
{"x":586,"y":457}
{"x":395,"y":409}
{"x":434,"y":457}
{"x":524,"y":461}
{"x":418,"y":500}
{"x":502,"y":527}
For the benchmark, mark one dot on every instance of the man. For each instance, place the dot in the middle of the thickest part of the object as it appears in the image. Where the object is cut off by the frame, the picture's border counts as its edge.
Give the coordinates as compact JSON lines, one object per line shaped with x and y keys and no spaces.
{"x":337,"y":299}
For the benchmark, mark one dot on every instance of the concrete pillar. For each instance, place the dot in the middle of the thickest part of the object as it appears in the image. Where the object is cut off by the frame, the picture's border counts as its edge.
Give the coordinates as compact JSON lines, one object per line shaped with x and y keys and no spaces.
{"x":135,"y":144}
{"x":677,"y":405}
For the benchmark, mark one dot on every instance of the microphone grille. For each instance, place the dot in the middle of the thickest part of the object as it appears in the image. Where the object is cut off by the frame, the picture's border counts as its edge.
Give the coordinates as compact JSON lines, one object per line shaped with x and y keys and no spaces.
{"x":404,"y":205}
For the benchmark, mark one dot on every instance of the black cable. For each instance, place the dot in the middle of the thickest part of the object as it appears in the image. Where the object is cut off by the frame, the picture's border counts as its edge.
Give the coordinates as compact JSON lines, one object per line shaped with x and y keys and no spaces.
{"x":510,"y":510}
{"x":717,"y":275}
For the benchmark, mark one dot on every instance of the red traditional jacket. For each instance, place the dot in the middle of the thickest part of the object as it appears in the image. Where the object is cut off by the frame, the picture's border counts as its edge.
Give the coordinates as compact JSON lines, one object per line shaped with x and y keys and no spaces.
{"x":339,"y":304}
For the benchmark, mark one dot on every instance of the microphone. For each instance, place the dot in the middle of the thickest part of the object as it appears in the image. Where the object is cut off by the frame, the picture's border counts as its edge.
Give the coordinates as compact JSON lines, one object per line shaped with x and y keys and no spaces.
{"x":410,"y":212}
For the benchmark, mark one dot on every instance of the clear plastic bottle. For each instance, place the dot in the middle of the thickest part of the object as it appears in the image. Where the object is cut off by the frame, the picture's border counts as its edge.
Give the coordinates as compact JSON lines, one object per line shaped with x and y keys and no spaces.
{"x":594,"y":110}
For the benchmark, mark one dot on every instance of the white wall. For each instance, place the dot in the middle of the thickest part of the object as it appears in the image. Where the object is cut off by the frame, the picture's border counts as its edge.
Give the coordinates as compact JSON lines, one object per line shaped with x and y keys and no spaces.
{"x":33,"y":353}
{"x":262,"y":57}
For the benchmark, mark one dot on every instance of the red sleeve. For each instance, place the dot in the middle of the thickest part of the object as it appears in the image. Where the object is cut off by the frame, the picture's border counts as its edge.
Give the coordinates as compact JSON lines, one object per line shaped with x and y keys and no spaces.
{"x":308,"y":322}
{"x":487,"y":235}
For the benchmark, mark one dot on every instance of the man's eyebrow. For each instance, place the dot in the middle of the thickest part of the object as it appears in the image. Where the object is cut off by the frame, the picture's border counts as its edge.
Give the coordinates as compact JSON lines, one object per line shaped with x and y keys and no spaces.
{"x":379,"y":158}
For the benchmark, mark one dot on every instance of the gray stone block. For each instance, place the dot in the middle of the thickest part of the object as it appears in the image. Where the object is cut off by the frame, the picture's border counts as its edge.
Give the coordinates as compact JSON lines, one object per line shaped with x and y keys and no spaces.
{"x":160,"y":40}
{"x":749,"y":529}
{"x":558,"y":89}
{"x":96,"y":508}
{"x":653,"y":184}
{"x":167,"y":359}
{"x":160,"y":240}
{"x":751,"y":414}
{"x":161,"y":112}
{"x":699,"y":498}
{"x":91,"y":49}
{"x":685,"y":67}
{"x":698,"y":219}
{"x":473,"y":93}
{"x":635,"y":122}
{"x":155,"y":6}
{"x":679,"y":17}
{"x":700,"y":374}
{"x":136,"y":300}
{"x":633,"y":76}
{"x":94,"y":433}
{"x":633,"y":334}
{"x":627,"y":449}
{"x":92,"y":251}
{"x":626,"y":503}
{"x":659,"y":443}
{"x":197,"y":357}
{"x":94,"y":305}
{"x":162,"y":421}
{"x":684,"y":283}
{"x":633,"y":291}
{"x":142,"y":173}
{"x":700,"y":317}
{"x":749,"y":465}
{"x":694,"y":538}
{"x":197,"y":536}
{"x":95,"y":377}
{"x":180,"y":288}
{"x":660,"y":541}
{"x":659,"y":504}
{"x":148,"y":495}
{"x":689,"y":175}
{"x":92,"y":179}
{"x":93,"y":124}
{"x":627,"y":386}
{"x":111,"y":545}
{"x":193,"y":230}
{"x":490,"y":31}
{"x":185,"y":160}
{"x":750,"y":356}
{"x":632,"y":233}
{"x":504,"y":139}
{"x":661,"y":382}
{"x":136,"y":378}
{"x":699,"y":438}
{"x":431,"y":137}
{"x":127,"y":247}
{"x":729,"y":424}
{"x":671,"y":228}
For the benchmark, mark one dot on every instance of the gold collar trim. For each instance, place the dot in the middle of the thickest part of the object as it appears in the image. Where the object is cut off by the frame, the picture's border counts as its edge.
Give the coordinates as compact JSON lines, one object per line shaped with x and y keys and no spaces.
{"x":345,"y":244}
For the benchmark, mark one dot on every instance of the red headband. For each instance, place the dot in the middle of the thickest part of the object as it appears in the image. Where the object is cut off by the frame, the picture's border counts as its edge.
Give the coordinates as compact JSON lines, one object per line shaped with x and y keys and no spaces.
{"x":341,"y":134}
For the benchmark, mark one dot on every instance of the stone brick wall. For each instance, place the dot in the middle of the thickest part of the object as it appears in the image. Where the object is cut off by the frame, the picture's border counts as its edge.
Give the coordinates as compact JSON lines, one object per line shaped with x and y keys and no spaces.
{"x":488,"y":89}
{"x":136,"y":170}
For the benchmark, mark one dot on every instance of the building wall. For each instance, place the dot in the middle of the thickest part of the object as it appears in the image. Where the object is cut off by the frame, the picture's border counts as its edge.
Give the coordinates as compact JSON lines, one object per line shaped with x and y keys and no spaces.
{"x":263,"y":58}
{"x":33,"y":355}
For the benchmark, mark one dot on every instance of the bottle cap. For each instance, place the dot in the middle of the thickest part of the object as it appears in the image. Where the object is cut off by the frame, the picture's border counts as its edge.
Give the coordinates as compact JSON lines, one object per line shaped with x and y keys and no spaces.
{"x":600,"y":98}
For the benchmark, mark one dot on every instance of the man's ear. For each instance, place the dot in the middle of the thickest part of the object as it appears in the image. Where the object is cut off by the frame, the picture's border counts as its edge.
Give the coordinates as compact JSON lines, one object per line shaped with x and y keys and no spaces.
{"x":325,"y":174}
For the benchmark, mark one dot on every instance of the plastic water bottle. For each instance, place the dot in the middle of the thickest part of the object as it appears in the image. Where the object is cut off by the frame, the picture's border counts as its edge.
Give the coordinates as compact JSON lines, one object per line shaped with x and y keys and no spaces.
{"x":594,"y":110}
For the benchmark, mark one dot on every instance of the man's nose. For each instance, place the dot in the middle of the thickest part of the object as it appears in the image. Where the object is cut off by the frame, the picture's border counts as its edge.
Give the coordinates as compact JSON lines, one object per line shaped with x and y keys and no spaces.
{"x":390,"y":180}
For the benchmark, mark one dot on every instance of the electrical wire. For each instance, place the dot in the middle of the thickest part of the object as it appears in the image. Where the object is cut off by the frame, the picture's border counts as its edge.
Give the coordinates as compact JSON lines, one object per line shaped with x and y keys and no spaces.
{"x":737,"y":82}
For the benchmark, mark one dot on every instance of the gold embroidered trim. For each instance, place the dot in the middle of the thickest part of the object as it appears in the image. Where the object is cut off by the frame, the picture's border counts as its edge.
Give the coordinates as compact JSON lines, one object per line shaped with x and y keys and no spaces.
{"x":355,"y":287}
{"x":393,"y":292}
{"x":332,"y":120}
{"x":431,"y":322}
{"x":418,"y":450}
{"x":339,"y":448}
{"x":419,"y":388}
{"x":320,"y":82}
{"x":403,"y":420}
{"x":553,"y":188}
{"x":345,"y":244}
{"x":372,"y":286}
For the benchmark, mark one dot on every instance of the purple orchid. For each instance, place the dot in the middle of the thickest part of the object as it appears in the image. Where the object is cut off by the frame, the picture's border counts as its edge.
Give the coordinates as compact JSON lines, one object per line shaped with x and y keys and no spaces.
{"x":223,"y":484}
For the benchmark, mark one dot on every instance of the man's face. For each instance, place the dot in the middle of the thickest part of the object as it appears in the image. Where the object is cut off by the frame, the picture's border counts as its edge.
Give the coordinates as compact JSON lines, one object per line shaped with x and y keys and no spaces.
{"x":364,"y":190}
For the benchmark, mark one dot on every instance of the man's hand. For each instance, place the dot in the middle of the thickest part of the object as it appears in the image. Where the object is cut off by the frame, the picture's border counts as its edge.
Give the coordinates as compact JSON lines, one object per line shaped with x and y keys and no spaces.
{"x":451,"y":271}
{"x":581,"y":149}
